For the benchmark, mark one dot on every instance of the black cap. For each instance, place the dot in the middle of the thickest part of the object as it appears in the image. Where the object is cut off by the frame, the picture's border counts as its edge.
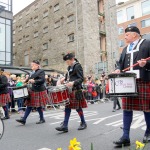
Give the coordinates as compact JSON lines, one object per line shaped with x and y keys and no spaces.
{"x":36,"y":62}
{"x":132,"y":29}
{"x":2,"y":69}
{"x":68,"y":56}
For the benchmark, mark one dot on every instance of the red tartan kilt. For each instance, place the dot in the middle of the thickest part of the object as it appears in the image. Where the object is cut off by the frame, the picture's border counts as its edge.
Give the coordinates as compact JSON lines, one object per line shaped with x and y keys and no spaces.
{"x":74,"y":103}
{"x":37,"y":99}
{"x":4,"y":98}
{"x":142,"y":101}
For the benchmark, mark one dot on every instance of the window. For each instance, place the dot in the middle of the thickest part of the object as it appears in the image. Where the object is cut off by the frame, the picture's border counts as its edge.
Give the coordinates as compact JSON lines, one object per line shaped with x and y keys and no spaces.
{"x":27,"y":38}
{"x":20,"y":28}
{"x":13,"y":44}
{"x":14,"y":21}
{"x":57,"y":24}
{"x":45,"y":14}
{"x":45,"y":62}
{"x":114,"y":55}
{"x":36,"y":19}
{"x":20,"y":41}
{"x":45,"y":1}
{"x":27,"y":24}
{"x":145,"y":23}
{"x":120,"y":30}
{"x":27,"y":11}
{"x":36,"y":34}
{"x":69,"y":1}
{"x":71,"y":37}
{"x":121,"y":43}
{"x":45,"y":29}
{"x":119,"y":16}
{"x":146,"y":7}
{"x":132,"y":24}
{"x":70,"y":18}
{"x":36,"y":6}
{"x":130,"y":13}
{"x":146,"y":36}
{"x":56,"y":7}
{"x":26,"y":58}
{"x":45,"y":46}
{"x":20,"y":17}
{"x":14,"y":32}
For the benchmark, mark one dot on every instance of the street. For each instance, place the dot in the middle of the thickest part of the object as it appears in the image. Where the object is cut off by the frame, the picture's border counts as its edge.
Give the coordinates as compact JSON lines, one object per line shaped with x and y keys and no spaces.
{"x":103,"y":128}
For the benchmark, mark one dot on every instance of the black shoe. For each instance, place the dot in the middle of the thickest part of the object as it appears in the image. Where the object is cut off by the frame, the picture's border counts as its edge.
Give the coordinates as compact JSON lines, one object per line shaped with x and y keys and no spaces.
{"x":146,"y":138}
{"x":118,"y":108}
{"x":21,"y":121}
{"x":4,"y":118}
{"x":113,"y":110}
{"x":40,"y":121}
{"x":122,"y":142}
{"x":62,"y":128}
{"x":82,"y":126}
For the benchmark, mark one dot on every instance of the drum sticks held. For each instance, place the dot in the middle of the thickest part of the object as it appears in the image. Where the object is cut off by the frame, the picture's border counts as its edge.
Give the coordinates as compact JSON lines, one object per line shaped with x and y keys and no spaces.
{"x":134,"y":65}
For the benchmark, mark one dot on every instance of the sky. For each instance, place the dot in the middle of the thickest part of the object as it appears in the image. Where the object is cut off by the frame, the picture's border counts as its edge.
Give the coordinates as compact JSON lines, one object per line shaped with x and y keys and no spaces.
{"x":18,"y":5}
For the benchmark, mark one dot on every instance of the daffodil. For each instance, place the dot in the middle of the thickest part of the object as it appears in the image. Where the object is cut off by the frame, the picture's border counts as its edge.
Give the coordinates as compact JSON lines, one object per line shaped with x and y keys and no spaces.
{"x":139,"y":145}
{"x":59,"y":148}
{"x":74,"y":145}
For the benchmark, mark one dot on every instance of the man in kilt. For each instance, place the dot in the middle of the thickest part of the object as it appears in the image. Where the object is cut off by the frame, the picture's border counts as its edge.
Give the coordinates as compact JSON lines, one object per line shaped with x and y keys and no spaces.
{"x":38,"y":93}
{"x":74,"y":79}
{"x":4,"y":93}
{"x":137,"y":51}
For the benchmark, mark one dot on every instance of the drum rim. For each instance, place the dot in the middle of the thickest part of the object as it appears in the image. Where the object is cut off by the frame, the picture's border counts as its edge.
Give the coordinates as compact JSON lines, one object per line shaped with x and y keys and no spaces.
{"x":118,"y":75}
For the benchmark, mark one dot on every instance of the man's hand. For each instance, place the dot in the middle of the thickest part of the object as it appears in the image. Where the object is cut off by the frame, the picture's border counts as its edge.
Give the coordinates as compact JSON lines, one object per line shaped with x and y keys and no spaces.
{"x":116,"y":71}
{"x":32,"y":81}
{"x":70,"y":84}
{"x":142,"y":62}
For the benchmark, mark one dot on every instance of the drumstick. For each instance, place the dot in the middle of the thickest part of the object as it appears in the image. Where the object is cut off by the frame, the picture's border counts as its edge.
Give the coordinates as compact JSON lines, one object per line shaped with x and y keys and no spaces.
{"x":134,"y":65}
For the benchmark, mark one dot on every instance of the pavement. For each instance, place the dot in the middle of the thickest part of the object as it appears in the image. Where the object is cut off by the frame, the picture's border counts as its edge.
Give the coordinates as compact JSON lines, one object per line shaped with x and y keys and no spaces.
{"x":104,"y":126}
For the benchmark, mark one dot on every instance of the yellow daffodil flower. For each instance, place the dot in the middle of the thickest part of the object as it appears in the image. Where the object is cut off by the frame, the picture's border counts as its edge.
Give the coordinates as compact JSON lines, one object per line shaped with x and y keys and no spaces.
{"x":74,"y":145}
{"x":139,"y":145}
{"x":59,"y":148}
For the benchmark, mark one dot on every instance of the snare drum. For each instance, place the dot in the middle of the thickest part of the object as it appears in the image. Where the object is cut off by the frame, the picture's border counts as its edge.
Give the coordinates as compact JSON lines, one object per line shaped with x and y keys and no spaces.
{"x":122,"y":84}
{"x":58,"y":94}
{"x":20,"y":92}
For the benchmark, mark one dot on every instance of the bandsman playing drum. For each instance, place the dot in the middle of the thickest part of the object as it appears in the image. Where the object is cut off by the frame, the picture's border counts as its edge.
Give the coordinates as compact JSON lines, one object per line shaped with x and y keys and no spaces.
{"x":137,"y":51}
{"x":38,"y":93}
{"x":73,"y":79}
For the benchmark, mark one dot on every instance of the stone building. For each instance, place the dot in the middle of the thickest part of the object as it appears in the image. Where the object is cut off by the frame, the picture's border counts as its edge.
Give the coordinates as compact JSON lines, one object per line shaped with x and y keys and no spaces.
{"x":48,"y":29}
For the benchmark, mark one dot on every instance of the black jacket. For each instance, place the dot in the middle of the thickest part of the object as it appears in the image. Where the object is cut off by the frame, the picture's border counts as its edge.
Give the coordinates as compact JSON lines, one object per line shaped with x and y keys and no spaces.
{"x":76,"y":75}
{"x":144,"y":52}
{"x":39,"y":77}
{"x":3,"y":84}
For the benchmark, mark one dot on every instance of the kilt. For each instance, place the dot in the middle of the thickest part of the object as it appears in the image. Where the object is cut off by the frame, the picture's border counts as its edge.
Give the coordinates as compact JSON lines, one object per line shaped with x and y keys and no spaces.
{"x":4,"y":98}
{"x":74,"y":103}
{"x":37,"y":99}
{"x":140,"y":102}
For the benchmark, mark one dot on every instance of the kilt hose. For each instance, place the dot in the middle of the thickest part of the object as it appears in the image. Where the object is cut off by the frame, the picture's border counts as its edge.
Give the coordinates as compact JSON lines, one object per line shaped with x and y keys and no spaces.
{"x":74,"y":103}
{"x":37,"y":99}
{"x":140,"y":102}
{"x":4,"y":99}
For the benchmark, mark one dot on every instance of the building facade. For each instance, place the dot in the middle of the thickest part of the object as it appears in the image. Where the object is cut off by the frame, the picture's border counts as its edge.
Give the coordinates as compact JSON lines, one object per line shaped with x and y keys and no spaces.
{"x":108,"y":36}
{"x":46,"y":30}
{"x":6,"y":32}
{"x":133,"y":13}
